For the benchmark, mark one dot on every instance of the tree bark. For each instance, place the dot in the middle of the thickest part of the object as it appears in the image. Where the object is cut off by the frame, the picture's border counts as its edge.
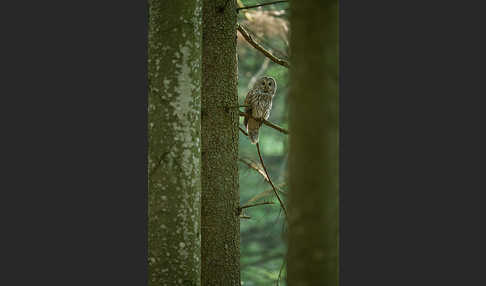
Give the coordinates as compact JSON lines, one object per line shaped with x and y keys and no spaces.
{"x":313,"y":165}
{"x":220,"y":225}
{"x":174,"y":130}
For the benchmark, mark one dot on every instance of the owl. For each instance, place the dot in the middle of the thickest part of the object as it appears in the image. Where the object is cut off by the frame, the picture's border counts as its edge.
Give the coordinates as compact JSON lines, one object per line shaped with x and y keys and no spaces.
{"x":259,"y":104}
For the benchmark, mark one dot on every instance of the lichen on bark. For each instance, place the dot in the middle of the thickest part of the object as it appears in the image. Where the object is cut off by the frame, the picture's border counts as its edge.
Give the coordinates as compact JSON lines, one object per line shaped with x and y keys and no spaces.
{"x":174,"y":131}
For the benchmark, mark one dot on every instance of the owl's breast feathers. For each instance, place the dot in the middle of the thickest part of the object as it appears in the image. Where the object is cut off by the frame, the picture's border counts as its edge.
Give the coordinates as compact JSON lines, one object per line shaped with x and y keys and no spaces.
{"x":260,"y":104}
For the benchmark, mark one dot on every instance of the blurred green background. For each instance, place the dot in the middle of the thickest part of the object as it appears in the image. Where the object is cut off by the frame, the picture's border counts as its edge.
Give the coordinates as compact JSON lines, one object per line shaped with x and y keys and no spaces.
{"x":262,"y":236}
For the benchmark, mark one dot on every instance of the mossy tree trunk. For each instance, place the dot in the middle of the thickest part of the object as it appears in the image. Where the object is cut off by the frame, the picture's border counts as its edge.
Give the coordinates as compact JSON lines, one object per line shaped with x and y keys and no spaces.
{"x":220,"y":225}
{"x":174,"y":130}
{"x":313,"y":165}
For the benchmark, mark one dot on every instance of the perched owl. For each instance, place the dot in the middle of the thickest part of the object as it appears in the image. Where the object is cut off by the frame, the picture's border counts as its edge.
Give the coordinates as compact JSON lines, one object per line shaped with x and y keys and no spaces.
{"x":259,"y":101}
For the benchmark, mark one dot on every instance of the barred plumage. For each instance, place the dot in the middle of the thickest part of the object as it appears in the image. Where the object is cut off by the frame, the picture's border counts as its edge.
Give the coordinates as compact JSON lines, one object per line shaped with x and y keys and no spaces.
{"x":259,"y":101}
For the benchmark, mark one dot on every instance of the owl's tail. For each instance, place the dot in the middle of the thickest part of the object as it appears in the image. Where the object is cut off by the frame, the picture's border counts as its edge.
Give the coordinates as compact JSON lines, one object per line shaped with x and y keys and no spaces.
{"x":253,"y":127}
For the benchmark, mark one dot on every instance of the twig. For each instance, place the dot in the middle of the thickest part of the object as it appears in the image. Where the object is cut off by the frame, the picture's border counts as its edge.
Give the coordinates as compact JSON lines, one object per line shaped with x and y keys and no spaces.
{"x":245,"y":216}
{"x":243,"y":131}
{"x":257,"y":46}
{"x":254,"y":166}
{"x":264,"y":194}
{"x":260,"y":5}
{"x":257,"y":204}
{"x":269,"y":124}
{"x":228,"y":108}
{"x":280,"y":272}
{"x":270,"y":181}
{"x":238,"y":106}
{"x":276,"y":127}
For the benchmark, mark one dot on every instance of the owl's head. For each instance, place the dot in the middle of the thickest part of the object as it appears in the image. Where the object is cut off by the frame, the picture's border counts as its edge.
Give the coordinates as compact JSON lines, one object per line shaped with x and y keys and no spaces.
{"x":267,"y":84}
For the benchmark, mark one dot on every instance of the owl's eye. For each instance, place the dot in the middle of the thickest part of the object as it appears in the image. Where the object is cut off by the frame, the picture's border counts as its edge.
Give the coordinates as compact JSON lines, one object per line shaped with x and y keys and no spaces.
{"x":263,"y":83}
{"x":270,"y":84}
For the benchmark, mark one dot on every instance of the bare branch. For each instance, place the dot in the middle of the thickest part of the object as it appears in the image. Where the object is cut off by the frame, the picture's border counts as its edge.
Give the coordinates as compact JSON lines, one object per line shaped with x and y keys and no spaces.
{"x":245,"y":216}
{"x":270,"y":181}
{"x":269,"y":124}
{"x":276,"y":127}
{"x":260,"y":5}
{"x":265,"y":193}
{"x":280,"y":272}
{"x":243,"y":131}
{"x":254,"y":166}
{"x":237,"y":106}
{"x":259,"y":47}
{"x":257,"y":204}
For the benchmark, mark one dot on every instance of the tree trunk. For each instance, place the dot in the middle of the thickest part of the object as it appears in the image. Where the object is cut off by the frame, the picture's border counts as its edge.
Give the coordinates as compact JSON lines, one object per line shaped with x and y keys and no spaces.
{"x":174,"y":130}
{"x":313,"y":165}
{"x":220,"y":225}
